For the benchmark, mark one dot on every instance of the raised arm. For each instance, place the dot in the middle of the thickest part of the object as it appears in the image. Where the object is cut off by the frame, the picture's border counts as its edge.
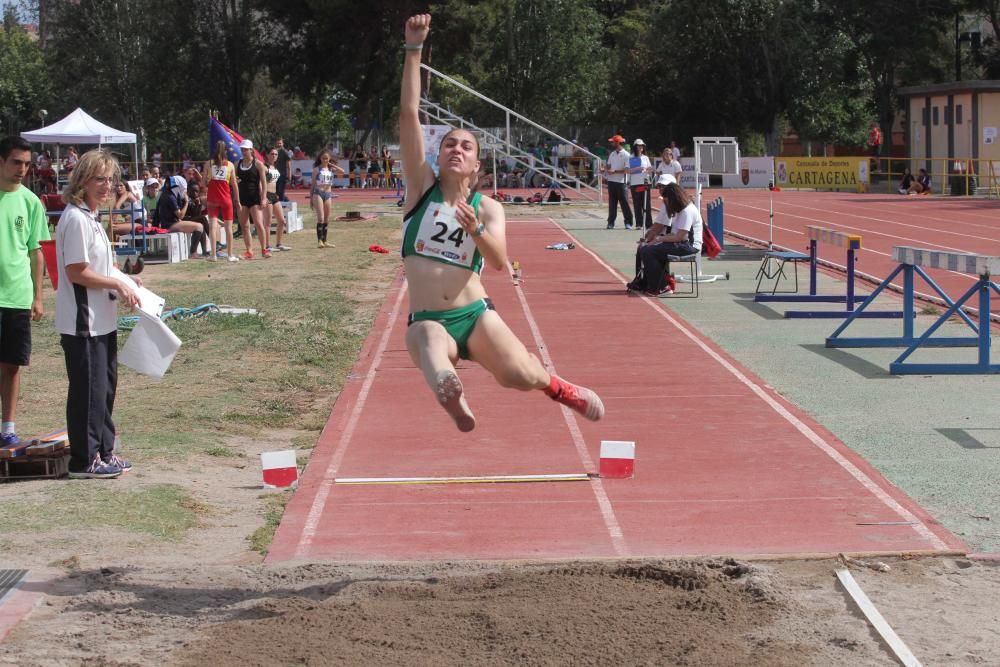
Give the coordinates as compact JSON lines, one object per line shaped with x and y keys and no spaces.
{"x":417,"y":174}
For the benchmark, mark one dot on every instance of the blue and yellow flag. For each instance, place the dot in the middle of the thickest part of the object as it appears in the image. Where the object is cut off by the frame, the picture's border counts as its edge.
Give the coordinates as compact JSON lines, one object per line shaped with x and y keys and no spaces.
{"x":219,"y":132}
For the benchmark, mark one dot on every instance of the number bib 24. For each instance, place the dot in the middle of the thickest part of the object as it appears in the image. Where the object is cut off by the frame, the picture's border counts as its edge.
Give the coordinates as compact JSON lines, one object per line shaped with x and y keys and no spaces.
{"x":441,"y":237}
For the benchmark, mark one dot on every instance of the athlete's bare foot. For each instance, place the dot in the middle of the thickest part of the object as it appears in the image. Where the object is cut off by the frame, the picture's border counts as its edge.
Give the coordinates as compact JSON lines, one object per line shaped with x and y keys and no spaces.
{"x":452,"y":398}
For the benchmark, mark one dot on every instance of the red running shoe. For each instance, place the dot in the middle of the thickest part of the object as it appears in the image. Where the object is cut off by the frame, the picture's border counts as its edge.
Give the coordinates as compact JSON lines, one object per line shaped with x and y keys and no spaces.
{"x":577,"y":398}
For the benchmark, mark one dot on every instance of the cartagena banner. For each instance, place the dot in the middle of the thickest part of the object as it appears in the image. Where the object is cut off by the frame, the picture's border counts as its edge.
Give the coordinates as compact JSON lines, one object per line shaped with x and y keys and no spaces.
{"x":823,"y":173}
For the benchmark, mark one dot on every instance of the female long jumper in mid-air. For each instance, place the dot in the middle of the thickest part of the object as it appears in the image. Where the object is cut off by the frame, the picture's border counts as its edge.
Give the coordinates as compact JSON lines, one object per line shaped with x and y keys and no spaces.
{"x":448,"y":235}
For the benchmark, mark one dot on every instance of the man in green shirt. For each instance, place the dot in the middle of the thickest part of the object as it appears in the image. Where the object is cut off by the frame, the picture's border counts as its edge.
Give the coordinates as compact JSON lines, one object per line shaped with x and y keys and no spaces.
{"x":22,"y":225}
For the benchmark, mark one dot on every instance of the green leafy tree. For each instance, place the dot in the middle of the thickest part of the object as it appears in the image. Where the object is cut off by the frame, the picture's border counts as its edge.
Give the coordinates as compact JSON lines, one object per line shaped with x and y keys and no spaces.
{"x":222,"y":42}
{"x":987,"y":57}
{"x":319,"y":122}
{"x":24,"y":82}
{"x":830,"y":94}
{"x":739,"y":57}
{"x":353,"y":46}
{"x":897,"y":42}
{"x":119,"y":77}
{"x":544,"y":59}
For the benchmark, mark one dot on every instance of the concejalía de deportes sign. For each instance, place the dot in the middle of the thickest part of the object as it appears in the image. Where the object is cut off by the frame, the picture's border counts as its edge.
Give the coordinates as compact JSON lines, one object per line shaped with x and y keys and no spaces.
{"x":835,"y":173}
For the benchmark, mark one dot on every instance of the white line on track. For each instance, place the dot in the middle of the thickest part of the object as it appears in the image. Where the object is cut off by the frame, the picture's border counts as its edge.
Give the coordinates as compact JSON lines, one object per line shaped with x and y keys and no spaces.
{"x":952,"y":229}
{"x":866,"y":231}
{"x":329,"y":475}
{"x":603,"y":502}
{"x":867,"y":482}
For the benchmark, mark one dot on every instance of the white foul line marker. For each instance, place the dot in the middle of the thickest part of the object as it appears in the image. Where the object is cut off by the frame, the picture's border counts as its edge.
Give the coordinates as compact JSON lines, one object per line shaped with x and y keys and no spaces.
{"x":876,"y":619}
{"x":483,"y":479}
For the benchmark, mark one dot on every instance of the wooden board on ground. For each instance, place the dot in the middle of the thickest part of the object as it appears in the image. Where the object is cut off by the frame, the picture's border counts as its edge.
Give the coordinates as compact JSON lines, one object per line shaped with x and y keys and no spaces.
{"x":40,"y":445}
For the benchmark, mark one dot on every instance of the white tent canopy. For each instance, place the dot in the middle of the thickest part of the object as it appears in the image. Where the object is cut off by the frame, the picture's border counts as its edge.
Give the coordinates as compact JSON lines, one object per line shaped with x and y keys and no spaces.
{"x":79,"y":128}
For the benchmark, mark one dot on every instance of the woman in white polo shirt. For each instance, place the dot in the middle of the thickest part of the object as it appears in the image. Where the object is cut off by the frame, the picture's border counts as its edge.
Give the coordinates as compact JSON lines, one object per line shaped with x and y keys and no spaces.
{"x":90,"y":289}
{"x":638,"y":180}
{"x":676,"y":231}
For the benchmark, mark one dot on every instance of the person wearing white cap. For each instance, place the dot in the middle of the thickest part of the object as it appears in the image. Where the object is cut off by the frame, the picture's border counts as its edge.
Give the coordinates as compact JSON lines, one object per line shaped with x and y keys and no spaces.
{"x":678,"y":230}
{"x":251,"y":179}
{"x":150,"y":195}
{"x":639,"y":169}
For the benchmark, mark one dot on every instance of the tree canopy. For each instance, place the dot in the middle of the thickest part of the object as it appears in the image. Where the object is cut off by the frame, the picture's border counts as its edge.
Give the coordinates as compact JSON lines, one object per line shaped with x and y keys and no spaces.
{"x":321,"y":70}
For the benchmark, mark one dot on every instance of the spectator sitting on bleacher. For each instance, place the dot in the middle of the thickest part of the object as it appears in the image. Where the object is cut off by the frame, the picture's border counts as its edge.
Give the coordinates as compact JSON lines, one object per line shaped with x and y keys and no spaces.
{"x":387,"y":163}
{"x":71,"y":159}
{"x":150,"y":195}
{"x":297,"y":182}
{"x":684,"y":237}
{"x":197,"y":212}
{"x":46,"y":175}
{"x":358,"y":166}
{"x":922,"y":185}
{"x":191,"y":175}
{"x":171,"y":210}
{"x":123,"y":222}
{"x":374,"y":167}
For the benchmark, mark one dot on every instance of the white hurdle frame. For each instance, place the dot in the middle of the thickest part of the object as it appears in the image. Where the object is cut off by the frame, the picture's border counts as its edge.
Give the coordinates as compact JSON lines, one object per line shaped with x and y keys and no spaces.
{"x":698,"y":143}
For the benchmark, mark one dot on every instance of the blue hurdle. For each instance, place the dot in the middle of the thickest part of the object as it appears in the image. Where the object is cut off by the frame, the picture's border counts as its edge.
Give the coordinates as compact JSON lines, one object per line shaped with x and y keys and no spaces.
{"x":911,"y":261}
{"x":852,"y":243}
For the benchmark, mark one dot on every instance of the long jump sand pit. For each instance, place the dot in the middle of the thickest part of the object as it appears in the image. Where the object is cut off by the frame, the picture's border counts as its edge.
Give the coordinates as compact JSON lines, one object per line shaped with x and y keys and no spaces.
{"x":671,"y":612}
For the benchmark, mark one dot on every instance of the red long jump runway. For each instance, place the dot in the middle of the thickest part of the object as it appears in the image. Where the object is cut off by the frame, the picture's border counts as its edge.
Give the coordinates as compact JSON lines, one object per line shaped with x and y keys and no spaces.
{"x":883,"y":221}
{"x":724,"y":465}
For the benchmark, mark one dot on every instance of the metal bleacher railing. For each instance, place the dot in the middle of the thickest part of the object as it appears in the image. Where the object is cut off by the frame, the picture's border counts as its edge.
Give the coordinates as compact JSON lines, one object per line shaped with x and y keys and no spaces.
{"x":502,"y":145}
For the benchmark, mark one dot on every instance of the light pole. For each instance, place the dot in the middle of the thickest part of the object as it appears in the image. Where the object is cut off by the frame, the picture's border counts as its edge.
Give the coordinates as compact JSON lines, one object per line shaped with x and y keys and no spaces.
{"x":42,"y":113}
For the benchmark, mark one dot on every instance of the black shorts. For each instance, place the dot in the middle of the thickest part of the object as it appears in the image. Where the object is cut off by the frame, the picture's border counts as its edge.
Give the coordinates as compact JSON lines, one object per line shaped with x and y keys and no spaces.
{"x":272,"y":197}
{"x":250,"y":198}
{"x":15,"y":336}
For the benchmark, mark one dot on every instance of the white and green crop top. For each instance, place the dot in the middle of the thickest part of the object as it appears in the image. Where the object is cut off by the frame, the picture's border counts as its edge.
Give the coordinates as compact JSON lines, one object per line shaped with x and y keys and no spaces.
{"x":431,"y":230}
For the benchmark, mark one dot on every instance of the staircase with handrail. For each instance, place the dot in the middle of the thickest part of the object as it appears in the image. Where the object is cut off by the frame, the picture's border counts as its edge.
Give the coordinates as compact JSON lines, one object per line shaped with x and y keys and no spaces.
{"x":501,"y":145}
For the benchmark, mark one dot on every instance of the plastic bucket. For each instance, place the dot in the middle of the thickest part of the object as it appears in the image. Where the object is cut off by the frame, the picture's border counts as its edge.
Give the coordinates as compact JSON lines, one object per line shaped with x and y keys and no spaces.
{"x":51,"y":263}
